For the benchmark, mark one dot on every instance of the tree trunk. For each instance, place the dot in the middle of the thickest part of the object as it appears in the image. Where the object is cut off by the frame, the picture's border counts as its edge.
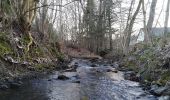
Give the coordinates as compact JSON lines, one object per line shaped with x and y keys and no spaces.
{"x":146,"y":35}
{"x":150,"y":21}
{"x":166,"y":19}
{"x":129,"y":29}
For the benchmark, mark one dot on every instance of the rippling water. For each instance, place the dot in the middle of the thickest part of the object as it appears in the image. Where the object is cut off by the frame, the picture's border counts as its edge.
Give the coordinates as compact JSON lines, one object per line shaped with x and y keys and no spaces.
{"x":93,"y":86}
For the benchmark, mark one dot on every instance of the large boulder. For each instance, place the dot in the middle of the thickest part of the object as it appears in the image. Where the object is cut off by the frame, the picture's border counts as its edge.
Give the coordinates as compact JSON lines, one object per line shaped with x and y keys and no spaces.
{"x":63,"y":77}
{"x":161,"y":91}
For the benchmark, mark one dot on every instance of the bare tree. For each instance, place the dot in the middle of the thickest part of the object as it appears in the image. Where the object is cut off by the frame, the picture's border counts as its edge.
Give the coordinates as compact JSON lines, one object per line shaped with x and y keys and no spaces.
{"x":150,"y":22}
{"x":129,"y":28}
{"x":166,"y":19}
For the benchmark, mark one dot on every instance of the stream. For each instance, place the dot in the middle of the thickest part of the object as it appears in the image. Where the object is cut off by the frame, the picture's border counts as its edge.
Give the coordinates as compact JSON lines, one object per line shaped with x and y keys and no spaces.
{"x":86,"y":83}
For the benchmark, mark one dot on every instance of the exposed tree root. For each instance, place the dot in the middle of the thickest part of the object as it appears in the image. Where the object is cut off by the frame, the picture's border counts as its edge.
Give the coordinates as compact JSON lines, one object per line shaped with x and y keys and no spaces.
{"x":30,"y":43}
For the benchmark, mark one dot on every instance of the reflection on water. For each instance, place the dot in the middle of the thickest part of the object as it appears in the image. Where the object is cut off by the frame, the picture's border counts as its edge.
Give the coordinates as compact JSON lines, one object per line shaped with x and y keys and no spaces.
{"x":93,"y":86}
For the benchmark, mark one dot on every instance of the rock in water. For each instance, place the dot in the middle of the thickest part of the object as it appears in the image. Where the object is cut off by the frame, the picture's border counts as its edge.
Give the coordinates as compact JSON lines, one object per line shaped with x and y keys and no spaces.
{"x":161,"y":91}
{"x":15,"y":85}
{"x":62,"y":77}
{"x":164,"y":98}
{"x":94,"y":65}
{"x":4,"y":87}
{"x":76,"y":81}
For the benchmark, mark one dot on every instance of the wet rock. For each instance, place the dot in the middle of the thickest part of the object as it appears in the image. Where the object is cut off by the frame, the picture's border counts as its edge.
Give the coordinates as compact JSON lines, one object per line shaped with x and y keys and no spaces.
{"x":105,"y":65}
{"x":64,"y":66}
{"x":8,"y":80}
{"x":124,"y":69}
{"x":164,"y":98}
{"x":62,"y":77}
{"x":49,"y":79}
{"x":72,"y":68}
{"x":112,"y":70}
{"x":76,"y":77}
{"x":20,"y":82}
{"x":161,"y":91}
{"x":4,"y":87}
{"x":76,"y":65}
{"x":115,"y":65}
{"x":115,"y":71}
{"x":76,"y":81}
{"x":15,"y":85}
{"x":131,"y":75}
{"x":94,"y":65}
{"x":153,"y":88}
{"x":93,"y":60}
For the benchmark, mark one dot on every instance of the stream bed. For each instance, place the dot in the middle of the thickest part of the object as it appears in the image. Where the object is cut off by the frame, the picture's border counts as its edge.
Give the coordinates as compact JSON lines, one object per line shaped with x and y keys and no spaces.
{"x":86,"y":83}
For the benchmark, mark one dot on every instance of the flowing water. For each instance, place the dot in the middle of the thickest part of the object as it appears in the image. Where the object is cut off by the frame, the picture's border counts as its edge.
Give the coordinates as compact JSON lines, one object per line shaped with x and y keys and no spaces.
{"x":95,"y":84}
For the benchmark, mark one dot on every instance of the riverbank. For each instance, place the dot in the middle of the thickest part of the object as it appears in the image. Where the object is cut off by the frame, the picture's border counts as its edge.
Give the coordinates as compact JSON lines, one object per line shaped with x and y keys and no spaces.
{"x":17,"y":64}
{"x":150,"y":67}
{"x":16,"y":79}
{"x":24,"y":57}
{"x":92,"y":80}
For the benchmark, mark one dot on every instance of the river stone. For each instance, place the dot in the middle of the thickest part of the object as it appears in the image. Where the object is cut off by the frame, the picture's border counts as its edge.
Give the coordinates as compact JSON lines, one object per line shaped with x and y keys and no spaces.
{"x":162,"y":91}
{"x":105,"y":65}
{"x":75,"y":66}
{"x":111,"y":70}
{"x":3,"y":87}
{"x":49,"y":79}
{"x":62,"y":77}
{"x":164,"y":98}
{"x":115,"y":65}
{"x":94,"y":65}
{"x":131,"y":75}
{"x":76,"y":81}
{"x":15,"y":85}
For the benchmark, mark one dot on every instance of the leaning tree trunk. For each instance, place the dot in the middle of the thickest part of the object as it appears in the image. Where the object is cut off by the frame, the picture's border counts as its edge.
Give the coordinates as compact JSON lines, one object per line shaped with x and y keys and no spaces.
{"x":129,"y":29}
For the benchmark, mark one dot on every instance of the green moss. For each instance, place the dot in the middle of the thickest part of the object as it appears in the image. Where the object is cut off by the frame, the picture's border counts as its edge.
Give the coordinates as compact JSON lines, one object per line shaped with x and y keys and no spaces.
{"x":39,"y":67}
{"x":165,"y":77}
{"x":5,"y":46}
{"x":36,"y":51}
{"x":44,"y":66}
{"x":54,"y":51}
{"x":39,"y":51}
{"x":60,"y":56}
{"x":132,"y":66}
{"x":25,"y":40}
